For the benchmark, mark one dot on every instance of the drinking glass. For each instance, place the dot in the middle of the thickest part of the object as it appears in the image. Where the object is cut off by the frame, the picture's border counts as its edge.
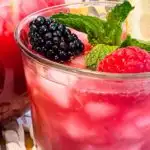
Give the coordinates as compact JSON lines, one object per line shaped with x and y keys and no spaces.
{"x":13,"y":99}
{"x":78,"y":109}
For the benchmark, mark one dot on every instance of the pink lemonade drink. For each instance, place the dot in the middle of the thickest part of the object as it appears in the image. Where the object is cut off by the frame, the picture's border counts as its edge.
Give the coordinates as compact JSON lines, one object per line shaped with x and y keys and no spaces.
{"x":12,"y":81}
{"x":76,"y":103}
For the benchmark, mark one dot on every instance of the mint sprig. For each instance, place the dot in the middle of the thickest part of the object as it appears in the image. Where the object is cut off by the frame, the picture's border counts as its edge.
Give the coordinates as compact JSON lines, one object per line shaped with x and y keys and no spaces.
{"x":129,"y":41}
{"x":90,"y":25}
{"x":99,"y":31}
{"x":97,"y":54}
{"x":120,"y":12}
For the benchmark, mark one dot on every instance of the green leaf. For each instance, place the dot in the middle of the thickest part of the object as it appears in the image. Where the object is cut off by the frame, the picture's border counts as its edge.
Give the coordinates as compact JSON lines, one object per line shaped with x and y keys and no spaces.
{"x":115,"y":18}
{"x":120,"y":12}
{"x":93,"y":26}
{"x":99,"y":31}
{"x":113,"y":33}
{"x":134,"y":42}
{"x":97,"y":54}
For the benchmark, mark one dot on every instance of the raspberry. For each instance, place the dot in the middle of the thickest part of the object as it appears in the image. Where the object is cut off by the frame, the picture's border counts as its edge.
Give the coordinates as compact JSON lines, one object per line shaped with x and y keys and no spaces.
{"x":53,"y":40}
{"x":126,"y":60}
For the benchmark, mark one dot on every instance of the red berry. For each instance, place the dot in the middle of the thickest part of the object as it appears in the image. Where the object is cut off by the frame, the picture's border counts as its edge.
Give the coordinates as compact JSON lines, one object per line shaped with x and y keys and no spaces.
{"x":126,"y":60}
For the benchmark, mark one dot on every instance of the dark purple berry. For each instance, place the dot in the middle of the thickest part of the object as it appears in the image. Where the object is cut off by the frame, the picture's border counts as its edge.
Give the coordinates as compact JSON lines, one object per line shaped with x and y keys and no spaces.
{"x":61,"y":28}
{"x":44,"y":49}
{"x":53,"y":40}
{"x":63,"y":55}
{"x":81,"y":46}
{"x":31,"y":23}
{"x":62,"y":39}
{"x":53,"y":26}
{"x":33,"y":28}
{"x":48,"y":44}
{"x":57,"y":33}
{"x":56,"y":40}
{"x":43,"y":29}
{"x":72,"y":46}
{"x":54,"y":47}
{"x":48,"y":36}
{"x":39,"y":41}
{"x":70,"y":38}
{"x":31,"y":34}
{"x":70,"y":53}
{"x":48,"y":21}
{"x":36,"y":35}
{"x":63,"y":46}
{"x":32,"y":42}
{"x":40,"y":20}
{"x":50,"y":53}
{"x":56,"y":58}
{"x":67,"y":32}
{"x":74,"y":36}
{"x":38,"y":49}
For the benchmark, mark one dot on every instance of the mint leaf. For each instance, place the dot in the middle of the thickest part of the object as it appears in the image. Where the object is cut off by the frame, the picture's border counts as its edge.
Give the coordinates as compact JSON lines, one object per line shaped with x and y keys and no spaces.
{"x":93,"y":26}
{"x":120,"y":12}
{"x":134,"y":42}
{"x":99,"y":31}
{"x":115,"y":18}
{"x":112,"y":34}
{"x":97,"y":54}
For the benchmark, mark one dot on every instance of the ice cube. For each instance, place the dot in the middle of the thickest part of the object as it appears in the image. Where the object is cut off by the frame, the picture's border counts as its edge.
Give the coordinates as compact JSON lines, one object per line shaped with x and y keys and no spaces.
{"x":59,"y":92}
{"x":146,"y":146}
{"x":100,"y":110}
{"x":56,"y":75}
{"x":128,"y":131}
{"x":93,"y":147}
{"x":143,"y":121}
{"x":77,"y":129}
{"x":128,"y":146}
{"x":62,"y":77}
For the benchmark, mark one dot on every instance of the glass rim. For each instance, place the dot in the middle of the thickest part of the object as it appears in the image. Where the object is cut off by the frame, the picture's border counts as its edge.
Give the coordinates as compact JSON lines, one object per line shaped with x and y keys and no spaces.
{"x":66,"y":68}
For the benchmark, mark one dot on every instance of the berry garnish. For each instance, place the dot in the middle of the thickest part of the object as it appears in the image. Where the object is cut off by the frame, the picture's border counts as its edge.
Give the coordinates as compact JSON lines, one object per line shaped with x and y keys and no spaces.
{"x":126,"y":60}
{"x":54,"y":40}
{"x":98,"y":53}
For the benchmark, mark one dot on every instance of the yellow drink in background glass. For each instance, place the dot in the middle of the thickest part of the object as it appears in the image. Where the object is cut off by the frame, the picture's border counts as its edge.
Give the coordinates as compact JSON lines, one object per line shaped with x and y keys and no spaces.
{"x":139,"y":20}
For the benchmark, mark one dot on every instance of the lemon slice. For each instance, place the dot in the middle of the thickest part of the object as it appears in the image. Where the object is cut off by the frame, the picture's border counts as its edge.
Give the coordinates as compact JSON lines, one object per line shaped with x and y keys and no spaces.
{"x":81,"y":10}
{"x":139,"y":20}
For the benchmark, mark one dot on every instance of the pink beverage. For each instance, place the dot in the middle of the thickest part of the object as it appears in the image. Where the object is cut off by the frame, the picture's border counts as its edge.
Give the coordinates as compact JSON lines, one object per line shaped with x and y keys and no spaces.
{"x":12,"y":82}
{"x":78,"y":109}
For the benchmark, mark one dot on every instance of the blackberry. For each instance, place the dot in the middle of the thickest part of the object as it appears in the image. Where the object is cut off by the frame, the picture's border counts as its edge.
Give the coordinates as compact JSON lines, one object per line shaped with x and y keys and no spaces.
{"x":53,"y":26}
{"x":48,"y":36}
{"x":54,"y":47}
{"x":43,"y":29}
{"x":56,"y":40}
{"x":67,"y":32}
{"x":53,"y":40}
{"x":40,"y":20}
{"x":63,"y":46}
{"x":48,"y":44}
{"x":33,"y":28}
{"x":61,"y":27}
{"x":72,"y":46}
{"x":57,"y":33}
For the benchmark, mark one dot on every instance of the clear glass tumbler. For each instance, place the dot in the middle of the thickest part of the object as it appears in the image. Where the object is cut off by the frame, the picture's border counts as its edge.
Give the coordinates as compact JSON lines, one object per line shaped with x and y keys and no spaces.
{"x":77,"y":109}
{"x":13,"y":98}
